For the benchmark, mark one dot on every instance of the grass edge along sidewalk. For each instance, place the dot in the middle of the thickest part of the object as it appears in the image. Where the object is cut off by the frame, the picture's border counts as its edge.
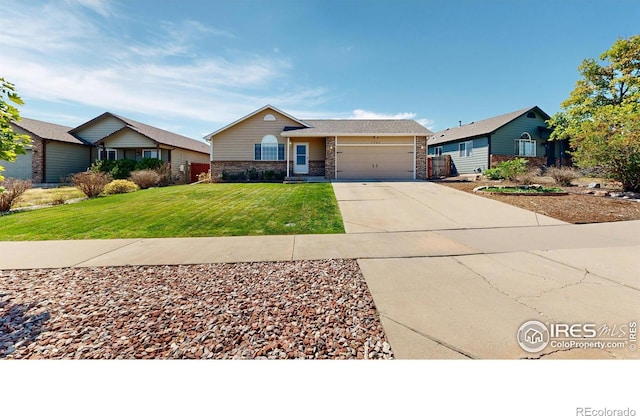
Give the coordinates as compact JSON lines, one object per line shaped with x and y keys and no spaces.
{"x":206,"y":210}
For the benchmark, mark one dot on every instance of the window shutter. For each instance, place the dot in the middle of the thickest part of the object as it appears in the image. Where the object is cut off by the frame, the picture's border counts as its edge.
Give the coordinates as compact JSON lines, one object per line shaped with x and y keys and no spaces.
{"x":280,"y":151}
{"x":257,"y":152}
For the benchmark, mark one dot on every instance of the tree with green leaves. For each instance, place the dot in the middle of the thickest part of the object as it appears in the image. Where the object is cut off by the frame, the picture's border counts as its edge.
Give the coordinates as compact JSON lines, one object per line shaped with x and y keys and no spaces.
{"x":12,"y":144}
{"x":601,"y":117}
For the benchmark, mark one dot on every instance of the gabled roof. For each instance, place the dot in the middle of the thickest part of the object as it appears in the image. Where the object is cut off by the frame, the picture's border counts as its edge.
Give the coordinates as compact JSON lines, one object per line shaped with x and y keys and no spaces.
{"x":266,"y":107}
{"x":48,"y":131}
{"x":482,"y":127}
{"x":157,"y":135}
{"x":359,"y":128}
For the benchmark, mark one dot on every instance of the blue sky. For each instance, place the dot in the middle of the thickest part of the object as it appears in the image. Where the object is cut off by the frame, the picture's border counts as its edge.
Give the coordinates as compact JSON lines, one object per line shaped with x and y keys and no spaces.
{"x":194,"y":66}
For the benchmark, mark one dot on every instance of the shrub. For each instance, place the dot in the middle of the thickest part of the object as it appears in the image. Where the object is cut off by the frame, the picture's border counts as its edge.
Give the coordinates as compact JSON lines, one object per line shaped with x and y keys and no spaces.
{"x":493,"y":174}
{"x":204,"y":177}
{"x":148,"y":163}
{"x":10,"y":190}
{"x":58,"y":198}
{"x":91,"y":183}
{"x":525,"y":178}
{"x":512,"y":168}
{"x":563,"y":176}
{"x":145,"y":178}
{"x":120,"y":186}
{"x":164,"y":170}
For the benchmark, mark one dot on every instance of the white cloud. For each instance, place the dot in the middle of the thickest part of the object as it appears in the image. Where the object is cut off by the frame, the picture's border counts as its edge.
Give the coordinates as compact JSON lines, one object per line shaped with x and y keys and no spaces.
{"x":359,"y":114}
{"x":84,"y":61}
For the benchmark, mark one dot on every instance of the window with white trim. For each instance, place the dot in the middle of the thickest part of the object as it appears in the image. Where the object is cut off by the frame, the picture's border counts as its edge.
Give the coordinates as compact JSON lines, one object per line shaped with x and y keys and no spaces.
{"x":465,"y":149}
{"x":107,"y":154}
{"x":525,"y":147}
{"x":269,"y":149}
{"x":150,"y":154}
{"x":437,"y":151}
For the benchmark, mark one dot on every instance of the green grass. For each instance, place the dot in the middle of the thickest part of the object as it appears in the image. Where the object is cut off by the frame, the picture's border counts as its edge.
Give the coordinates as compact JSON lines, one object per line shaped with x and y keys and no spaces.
{"x":185,"y":211}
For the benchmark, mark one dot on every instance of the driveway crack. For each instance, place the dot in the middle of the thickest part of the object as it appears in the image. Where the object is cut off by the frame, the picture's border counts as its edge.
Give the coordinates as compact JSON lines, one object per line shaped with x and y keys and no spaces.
{"x":429,"y":337}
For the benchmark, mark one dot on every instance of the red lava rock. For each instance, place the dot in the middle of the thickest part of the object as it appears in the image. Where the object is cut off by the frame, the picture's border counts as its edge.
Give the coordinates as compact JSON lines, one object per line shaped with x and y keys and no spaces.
{"x":278,"y":310}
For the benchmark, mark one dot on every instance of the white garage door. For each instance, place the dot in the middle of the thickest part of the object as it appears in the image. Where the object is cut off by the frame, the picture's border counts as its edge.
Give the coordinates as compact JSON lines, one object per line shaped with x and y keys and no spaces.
{"x":374,"y":162}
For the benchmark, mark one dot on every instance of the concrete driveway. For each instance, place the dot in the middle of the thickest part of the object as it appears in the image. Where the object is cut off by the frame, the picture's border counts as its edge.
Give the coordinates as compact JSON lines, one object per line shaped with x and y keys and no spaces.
{"x":424,"y":206}
{"x":510,"y":266}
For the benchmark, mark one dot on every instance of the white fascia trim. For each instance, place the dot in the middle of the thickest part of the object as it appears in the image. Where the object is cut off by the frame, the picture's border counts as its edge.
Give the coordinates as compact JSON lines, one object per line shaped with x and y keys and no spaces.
{"x":376,"y":145}
{"x":292,"y":134}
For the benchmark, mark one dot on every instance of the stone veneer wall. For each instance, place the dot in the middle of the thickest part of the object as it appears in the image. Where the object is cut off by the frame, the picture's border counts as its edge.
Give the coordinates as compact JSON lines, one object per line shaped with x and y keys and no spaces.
{"x":421,"y":157}
{"x":37,"y":160}
{"x":330,"y":161}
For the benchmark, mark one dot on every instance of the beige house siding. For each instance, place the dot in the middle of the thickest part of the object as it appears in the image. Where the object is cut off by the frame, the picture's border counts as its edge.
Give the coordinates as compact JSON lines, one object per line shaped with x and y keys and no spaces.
{"x":183,"y":157}
{"x":63,"y":159}
{"x":99,"y":129}
{"x":316,"y":147}
{"x":237,"y":142}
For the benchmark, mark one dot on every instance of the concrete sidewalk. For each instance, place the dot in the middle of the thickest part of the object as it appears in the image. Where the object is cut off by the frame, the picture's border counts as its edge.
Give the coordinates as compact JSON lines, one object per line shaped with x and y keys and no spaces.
{"x":453,"y":275}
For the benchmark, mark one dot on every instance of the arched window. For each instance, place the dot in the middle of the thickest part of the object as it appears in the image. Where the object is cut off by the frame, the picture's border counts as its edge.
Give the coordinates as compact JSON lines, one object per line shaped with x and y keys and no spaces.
{"x":269,"y":117}
{"x":269,"y":147}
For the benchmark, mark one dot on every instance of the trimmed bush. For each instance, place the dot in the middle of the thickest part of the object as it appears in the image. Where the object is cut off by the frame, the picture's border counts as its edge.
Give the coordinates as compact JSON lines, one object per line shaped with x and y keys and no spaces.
{"x":120,"y":186}
{"x":145,"y":178}
{"x":563,"y":176}
{"x":10,"y":190}
{"x":91,"y":183}
{"x":148,"y":163}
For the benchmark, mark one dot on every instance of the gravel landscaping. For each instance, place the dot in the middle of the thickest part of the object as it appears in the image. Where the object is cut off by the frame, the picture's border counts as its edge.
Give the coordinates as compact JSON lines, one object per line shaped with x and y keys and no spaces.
{"x":279,"y":310}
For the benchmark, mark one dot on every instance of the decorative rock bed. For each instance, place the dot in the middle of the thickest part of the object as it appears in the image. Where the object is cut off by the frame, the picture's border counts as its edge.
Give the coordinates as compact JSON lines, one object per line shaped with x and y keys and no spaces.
{"x":525,"y":190}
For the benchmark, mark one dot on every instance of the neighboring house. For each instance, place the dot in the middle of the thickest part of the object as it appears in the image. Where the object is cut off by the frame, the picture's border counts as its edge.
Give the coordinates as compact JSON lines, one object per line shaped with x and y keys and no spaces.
{"x":53,"y":154}
{"x":57,"y":151}
{"x":480,"y":145}
{"x":270,"y":139}
{"x":115,"y":137}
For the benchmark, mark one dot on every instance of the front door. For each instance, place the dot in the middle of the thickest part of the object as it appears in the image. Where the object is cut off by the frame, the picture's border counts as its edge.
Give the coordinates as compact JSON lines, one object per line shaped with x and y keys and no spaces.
{"x":301,"y":161}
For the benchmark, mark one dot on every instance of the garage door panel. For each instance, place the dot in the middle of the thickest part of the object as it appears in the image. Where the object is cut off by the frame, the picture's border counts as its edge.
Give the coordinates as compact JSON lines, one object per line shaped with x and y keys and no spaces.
{"x":375,"y":162}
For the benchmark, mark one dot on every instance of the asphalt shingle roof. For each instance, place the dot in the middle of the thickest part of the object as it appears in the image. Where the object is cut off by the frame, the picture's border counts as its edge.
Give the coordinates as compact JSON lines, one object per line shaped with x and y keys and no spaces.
{"x":48,"y":131}
{"x":359,"y":128}
{"x":479,"y":128}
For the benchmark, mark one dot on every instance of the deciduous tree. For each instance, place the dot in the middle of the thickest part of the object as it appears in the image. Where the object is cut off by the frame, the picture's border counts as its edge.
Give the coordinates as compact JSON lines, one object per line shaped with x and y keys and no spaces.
{"x":11,"y":143}
{"x":601,"y":117}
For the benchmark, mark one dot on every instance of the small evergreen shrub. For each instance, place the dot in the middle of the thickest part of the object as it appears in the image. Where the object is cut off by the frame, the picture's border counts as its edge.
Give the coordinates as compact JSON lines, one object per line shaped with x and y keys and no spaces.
{"x":10,"y":190}
{"x":120,"y":186}
{"x":512,"y":168}
{"x":145,"y":178}
{"x":91,"y":183}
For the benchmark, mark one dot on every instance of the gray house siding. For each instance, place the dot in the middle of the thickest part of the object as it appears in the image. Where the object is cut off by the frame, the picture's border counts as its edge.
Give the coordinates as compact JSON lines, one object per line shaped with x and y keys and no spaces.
{"x":503,"y":140}
{"x":63,"y":159}
{"x":466,"y":164}
{"x":20,"y":169}
{"x":99,"y":129}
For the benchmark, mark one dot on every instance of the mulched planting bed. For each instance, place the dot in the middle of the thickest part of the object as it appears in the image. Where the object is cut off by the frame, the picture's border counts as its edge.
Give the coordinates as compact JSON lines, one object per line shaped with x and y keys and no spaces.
{"x":574,"y":208}
{"x":279,"y":310}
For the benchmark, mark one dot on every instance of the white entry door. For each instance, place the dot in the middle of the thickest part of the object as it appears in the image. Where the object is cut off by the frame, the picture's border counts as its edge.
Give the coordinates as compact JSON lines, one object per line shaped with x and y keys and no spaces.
{"x":301,"y":162}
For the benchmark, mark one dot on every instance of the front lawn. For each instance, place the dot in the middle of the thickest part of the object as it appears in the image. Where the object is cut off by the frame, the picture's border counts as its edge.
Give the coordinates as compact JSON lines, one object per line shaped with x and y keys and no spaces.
{"x":185,"y":211}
